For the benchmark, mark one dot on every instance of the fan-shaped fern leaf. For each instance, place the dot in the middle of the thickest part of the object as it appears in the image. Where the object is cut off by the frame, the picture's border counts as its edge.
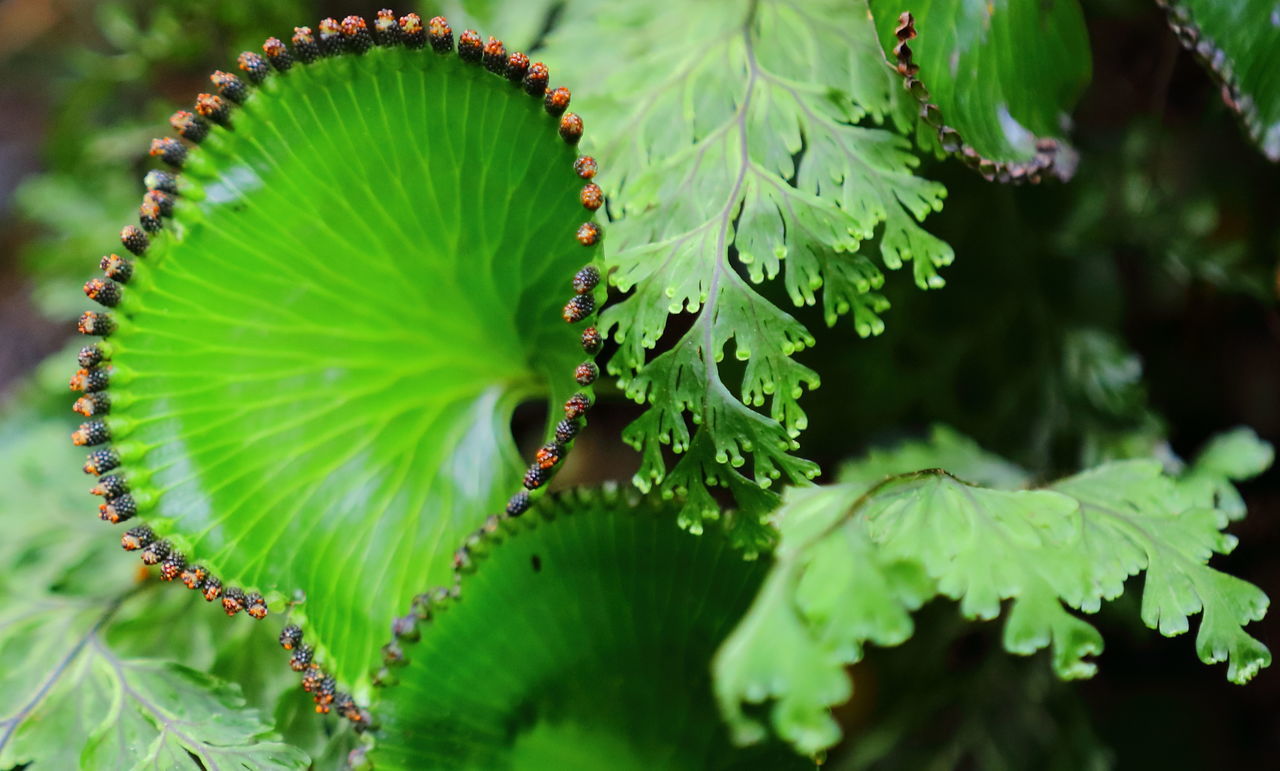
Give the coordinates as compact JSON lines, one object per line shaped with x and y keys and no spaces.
{"x":316,"y":337}
{"x":580,"y":638}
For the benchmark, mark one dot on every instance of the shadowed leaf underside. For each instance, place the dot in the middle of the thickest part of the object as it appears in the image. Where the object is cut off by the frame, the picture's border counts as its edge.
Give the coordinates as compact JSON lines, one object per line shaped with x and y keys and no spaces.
{"x":581,"y":639}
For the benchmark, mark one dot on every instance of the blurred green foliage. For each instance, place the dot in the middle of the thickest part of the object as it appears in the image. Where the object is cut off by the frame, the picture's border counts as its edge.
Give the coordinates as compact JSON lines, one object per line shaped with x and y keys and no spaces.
{"x":109,"y":74}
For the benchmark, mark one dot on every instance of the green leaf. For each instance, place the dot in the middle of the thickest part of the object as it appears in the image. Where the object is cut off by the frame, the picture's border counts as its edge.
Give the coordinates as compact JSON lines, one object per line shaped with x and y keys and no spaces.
{"x":317,"y":360}
{"x":1238,"y":41}
{"x":1138,"y":518}
{"x":248,"y":655}
{"x":1236,"y":455}
{"x":72,"y":702}
{"x":741,"y":139}
{"x":1231,"y":457}
{"x":76,"y":625}
{"x":581,"y":639}
{"x":1001,"y":76}
{"x":855,"y":558}
{"x":945,"y":448}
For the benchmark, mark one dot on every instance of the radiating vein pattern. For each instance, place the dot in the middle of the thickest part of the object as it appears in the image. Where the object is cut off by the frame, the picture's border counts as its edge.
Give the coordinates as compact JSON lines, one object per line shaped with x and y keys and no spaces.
{"x":316,"y":362}
{"x":581,"y":638}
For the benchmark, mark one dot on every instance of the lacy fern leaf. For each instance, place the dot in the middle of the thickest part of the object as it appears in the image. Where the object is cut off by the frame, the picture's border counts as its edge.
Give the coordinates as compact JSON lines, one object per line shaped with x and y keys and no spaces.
{"x":66,"y":682}
{"x":736,"y":139}
{"x":857,"y":557}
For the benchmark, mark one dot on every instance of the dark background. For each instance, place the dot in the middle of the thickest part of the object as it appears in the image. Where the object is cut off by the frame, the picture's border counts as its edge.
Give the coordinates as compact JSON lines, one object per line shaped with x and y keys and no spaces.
{"x":1164,"y":247}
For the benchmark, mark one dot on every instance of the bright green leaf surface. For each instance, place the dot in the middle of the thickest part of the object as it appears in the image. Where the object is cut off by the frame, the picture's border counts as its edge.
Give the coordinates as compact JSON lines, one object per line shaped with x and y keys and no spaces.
{"x":738,"y":140}
{"x":1003,"y":73}
{"x":855,"y":558}
{"x":1239,"y":41}
{"x":322,"y":352}
{"x":582,"y":640}
{"x":1228,"y":458}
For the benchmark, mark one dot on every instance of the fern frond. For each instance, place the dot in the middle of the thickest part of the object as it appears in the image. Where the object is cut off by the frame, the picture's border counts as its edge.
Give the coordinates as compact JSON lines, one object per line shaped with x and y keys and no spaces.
{"x":857,"y":557}
{"x":741,"y":150}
